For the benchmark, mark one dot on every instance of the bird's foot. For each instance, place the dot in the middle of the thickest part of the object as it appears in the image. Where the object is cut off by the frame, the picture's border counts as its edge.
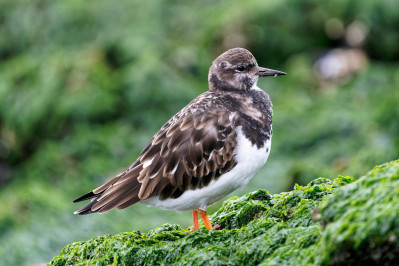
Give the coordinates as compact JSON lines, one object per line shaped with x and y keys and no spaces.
{"x":204,"y":217}
{"x":216,"y":227}
{"x":195,"y":221}
{"x":207,"y":223}
{"x":192,"y":230}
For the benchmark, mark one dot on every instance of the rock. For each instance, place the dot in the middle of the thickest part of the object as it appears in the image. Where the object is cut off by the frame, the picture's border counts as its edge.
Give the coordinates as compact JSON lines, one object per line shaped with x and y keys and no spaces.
{"x":338,"y":222}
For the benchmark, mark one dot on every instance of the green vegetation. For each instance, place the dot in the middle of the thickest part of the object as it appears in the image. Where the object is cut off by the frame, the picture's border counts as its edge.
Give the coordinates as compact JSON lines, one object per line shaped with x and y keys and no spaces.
{"x":339,"y":222}
{"x":85,"y":84}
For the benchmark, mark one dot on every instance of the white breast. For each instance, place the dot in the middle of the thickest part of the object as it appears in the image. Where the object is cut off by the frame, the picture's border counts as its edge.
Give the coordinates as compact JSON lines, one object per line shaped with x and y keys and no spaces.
{"x":249,"y":160}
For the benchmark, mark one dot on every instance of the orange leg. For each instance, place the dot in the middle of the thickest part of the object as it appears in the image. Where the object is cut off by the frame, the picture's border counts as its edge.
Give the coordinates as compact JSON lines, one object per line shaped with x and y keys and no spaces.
{"x":195,"y":221}
{"x":204,"y":217}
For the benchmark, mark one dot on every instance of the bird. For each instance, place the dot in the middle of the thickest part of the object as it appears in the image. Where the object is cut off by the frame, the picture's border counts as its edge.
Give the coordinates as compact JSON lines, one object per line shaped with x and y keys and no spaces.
{"x":213,"y":146}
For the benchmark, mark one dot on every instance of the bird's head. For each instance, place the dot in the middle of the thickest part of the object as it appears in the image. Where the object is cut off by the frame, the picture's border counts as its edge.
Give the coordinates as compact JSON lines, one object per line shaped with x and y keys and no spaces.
{"x":237,"y":69}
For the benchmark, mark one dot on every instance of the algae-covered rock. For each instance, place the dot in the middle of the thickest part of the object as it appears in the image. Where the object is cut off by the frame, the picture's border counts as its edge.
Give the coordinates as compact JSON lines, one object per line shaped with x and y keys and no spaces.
{"x":341,"y":221}
{"x":362,"y":220}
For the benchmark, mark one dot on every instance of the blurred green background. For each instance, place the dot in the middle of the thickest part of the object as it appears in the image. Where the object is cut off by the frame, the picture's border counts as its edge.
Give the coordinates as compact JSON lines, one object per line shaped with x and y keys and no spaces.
{"x":85,"y":84}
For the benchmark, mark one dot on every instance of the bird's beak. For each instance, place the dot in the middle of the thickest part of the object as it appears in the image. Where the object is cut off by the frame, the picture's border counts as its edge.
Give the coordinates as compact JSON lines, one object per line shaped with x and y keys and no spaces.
{"x":264,"y":72}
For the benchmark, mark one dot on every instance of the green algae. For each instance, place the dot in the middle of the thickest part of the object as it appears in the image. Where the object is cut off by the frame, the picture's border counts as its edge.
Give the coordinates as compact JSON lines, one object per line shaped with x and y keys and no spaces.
{"x":341,"y":221}
{"x":362,"y":220}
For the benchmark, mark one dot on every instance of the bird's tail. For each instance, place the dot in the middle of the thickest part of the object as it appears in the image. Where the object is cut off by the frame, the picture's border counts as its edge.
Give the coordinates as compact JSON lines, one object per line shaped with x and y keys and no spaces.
{"x":121,"y":192}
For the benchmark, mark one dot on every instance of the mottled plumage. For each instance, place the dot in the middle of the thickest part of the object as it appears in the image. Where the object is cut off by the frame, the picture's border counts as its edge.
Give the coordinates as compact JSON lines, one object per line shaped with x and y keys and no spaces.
{"x":199,"y":145}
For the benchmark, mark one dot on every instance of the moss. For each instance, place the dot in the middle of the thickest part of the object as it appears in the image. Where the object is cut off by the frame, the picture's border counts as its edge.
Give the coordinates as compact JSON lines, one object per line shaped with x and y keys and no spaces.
{"x":362,"y":220}
{"x":343,"y":221}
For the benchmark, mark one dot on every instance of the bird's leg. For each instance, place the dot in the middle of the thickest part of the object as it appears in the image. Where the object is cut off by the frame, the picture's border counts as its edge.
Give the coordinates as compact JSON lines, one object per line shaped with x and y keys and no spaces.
{"x":195,"y":221}
{"x":204,"y":218}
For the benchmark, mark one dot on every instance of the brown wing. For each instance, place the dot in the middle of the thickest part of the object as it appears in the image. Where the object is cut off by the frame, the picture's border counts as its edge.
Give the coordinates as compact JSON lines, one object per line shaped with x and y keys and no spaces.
{"x":187,"y":153}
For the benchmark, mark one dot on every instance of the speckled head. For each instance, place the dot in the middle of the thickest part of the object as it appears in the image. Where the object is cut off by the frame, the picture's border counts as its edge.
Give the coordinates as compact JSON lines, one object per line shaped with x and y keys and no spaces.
{"x":236,"y":69}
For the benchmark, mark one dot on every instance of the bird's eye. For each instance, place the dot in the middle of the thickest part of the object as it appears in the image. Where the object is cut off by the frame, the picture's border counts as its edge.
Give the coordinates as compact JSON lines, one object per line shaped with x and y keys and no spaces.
{"x":241,"y":68}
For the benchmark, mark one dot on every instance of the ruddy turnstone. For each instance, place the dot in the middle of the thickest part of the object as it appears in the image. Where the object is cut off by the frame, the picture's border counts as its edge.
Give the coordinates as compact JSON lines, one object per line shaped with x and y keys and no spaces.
{"x":214,"y":145}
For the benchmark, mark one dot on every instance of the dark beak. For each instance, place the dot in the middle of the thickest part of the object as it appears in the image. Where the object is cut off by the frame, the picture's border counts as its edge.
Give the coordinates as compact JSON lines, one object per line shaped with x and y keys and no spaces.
{"x":264,"y":72}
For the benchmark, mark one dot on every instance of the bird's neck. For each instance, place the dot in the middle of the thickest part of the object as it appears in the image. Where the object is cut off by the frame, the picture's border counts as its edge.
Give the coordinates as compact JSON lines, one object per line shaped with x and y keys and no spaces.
{"x":219,"y":84}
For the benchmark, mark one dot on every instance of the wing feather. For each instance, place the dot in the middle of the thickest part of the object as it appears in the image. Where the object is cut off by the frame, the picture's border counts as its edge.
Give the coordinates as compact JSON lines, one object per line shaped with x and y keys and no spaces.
{"x":190,"y":150}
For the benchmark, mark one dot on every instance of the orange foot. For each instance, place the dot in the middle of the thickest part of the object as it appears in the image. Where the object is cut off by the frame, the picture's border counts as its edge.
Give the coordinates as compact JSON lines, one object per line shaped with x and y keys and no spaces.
{"x":195,"y":221}
{"x":216,"y":227}
{"x":204,"y":218}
